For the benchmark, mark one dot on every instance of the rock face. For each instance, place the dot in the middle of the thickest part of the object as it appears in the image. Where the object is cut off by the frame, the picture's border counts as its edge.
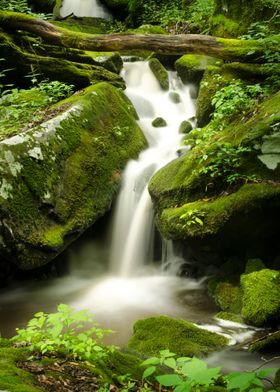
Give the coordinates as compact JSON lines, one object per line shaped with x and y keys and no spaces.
{"x":60,"y":177}
{"x":181,"y":337}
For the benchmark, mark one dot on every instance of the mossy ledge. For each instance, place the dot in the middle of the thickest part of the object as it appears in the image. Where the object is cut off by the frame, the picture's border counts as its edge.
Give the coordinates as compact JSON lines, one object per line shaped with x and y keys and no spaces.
{"x":60,"y":177}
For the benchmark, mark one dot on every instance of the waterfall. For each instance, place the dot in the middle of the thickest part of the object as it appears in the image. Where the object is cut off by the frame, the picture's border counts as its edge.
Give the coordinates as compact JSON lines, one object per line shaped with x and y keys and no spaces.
{"x":133,"y":227}
{"x":89,"y":8}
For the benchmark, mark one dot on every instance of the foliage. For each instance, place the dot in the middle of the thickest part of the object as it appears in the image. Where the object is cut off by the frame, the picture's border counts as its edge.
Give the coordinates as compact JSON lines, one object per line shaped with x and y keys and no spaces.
{"x":192,"y":374}
{"x":193,"y":217}
{"x":23,"y":107}
{"x":199,"y":13}
{"x":20,"y":6}
{"x":65,"y":332}
{"x":224,"y":161}
{"x":236,"y":95}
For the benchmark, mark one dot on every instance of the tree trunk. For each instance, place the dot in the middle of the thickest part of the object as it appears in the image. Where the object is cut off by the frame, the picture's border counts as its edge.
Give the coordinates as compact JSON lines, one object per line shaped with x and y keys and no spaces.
{"x":226,"y":49}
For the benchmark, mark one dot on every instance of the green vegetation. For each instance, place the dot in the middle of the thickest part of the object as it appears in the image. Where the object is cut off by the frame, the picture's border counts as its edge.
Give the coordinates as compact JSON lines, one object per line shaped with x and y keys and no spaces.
{"x":65,"y":332}
{"x":25,"y":108}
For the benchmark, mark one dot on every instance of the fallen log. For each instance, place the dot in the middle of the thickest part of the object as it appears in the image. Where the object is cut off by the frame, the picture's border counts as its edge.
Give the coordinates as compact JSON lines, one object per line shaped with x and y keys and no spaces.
{"x":225,"y":49}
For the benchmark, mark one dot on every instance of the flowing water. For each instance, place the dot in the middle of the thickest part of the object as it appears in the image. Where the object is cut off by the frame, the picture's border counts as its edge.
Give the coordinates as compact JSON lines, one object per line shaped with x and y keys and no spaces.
{"x":90,"y":8}
{"x":120,"y":282}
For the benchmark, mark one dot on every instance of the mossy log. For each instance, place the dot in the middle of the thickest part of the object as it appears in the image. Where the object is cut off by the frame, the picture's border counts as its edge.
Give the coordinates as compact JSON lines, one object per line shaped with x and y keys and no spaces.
{"x":226,"y":49}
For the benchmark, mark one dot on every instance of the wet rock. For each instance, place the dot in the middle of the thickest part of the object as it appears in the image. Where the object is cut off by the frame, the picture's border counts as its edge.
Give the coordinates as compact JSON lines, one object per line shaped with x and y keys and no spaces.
{"x":159,"y":122}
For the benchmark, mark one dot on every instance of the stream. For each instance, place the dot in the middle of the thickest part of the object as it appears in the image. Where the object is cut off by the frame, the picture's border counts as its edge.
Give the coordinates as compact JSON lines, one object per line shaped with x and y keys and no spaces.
{"x":117,"y":269}
{"x":113,"y":270}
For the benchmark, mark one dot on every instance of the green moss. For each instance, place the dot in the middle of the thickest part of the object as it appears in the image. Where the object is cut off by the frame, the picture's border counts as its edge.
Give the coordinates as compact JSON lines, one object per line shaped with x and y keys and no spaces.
{"x":261,"y":299}
{"x":216,"y":212}
{"x":191,"y":67}
{"x":55,"y":195}
{"x":159,"y":122}
{"x":181,"y":337}
{"x":12,"y":378}
{"x":228,"y":297}
{"x":160,"y":73}
{"x":253,"y":265}
{"x":229,"y":316}
{"x":149,"y":29}
{"x":221,"y":26}
{"x":185,"y":127}
{"x":270,"y":342}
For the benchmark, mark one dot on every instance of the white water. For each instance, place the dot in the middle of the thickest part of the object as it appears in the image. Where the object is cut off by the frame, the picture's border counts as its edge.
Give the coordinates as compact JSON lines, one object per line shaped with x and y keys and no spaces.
{"x":90,"y":8}
{"x":133,"y":227}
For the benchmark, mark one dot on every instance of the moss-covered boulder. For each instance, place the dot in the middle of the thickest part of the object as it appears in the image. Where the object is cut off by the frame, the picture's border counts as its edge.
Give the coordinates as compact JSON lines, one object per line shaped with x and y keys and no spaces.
{"x":261,"y":297}
{"x":268,"y":343}
{"x":160,"y":73}
{"x":253,"y":265}
{"x":185,"y":127}
{"x":194,"y":205}
{"x":235,"y":318}
{"x":159,"y":122}
{"x":228,"y":297}
{"x":60,"y":177}
{"x":191,"y":67}
{"x":181,"y":337}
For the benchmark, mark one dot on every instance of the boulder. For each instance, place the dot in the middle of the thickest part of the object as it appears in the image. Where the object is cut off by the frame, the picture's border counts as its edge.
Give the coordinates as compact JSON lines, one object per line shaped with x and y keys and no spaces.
{"x":160,"y":73}
{"x":181,"y":337}
{"x":58,"y":178}
{"x":261,"y":297}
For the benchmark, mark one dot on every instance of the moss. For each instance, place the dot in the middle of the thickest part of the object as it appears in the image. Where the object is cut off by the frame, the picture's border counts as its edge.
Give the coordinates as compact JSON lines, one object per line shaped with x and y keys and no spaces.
{"x":253,"y":265}
{"x":56,"y":195}
{"x":270,"y":342}
{"x":159,"y":122}
{"x":261,"y":299}
{"x":185,"y":127}
{"x":12,"y":378}
{"x":216,"y":212}
{"x":191,"y":67}
{"x":149,"y":29}
{"x":228,"y":297}
{"x":160,"y":73}
{"x":229,"y":317}
{"x":181,"y":337}
{"x":221,"y":26}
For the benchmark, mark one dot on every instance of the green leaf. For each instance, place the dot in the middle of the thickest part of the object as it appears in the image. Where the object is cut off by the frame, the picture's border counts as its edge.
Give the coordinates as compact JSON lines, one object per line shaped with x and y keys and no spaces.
{"x":169,"y":380}
{"x":148,"y":372}
{"x":185,"y":386}
{"x":170,"y":362}
{"x":151,"y":361}
{"x":197,"y":371}
{"x":240,"y":381}
{"x":265,"y":372}
{"x":199,"y":221}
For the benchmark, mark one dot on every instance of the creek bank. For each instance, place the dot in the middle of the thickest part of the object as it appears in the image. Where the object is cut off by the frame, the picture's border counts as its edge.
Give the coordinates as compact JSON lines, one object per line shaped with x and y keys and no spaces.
{"x":61,"y":176}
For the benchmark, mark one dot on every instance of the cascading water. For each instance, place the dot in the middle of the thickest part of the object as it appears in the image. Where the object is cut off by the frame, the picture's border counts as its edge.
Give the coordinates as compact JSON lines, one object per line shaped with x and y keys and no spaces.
{"x":89,"y":8}
{"x":133,"y":227}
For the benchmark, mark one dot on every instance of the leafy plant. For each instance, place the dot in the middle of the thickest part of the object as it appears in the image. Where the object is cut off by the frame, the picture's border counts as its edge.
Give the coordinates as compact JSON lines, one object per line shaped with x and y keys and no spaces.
{"x":56,"y":90}
{"x":186,"y":374}
{"x":192,"y":217}
{"x":21,"y":6}
{"x":71,"y":333}
{"x":224,"y":162}
{"x":199,"y":12}
{"x":236,"y":95}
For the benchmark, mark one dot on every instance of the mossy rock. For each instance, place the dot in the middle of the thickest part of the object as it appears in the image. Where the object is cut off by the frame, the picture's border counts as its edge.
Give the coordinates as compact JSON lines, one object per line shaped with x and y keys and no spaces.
{"x":228,"y":297}
{"x":160,"y":73}
{"x":191,"y":67}
{"x":253,"y":265}
{"x":159,"y":122}
{"x":236,"y":318}
{"x":234,"y":220}
{"x":181,"y":337}
{"x":174,"y":97}
{"x":149,"y":29}
{"x":261,"y":298}
{"x":60,"y":177}
{"x":185,"y":127}
{"x":269,"y":343}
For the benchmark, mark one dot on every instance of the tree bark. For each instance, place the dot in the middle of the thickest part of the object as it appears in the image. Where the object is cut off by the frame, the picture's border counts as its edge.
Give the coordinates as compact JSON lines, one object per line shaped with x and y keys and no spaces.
{"x":226,"y":49}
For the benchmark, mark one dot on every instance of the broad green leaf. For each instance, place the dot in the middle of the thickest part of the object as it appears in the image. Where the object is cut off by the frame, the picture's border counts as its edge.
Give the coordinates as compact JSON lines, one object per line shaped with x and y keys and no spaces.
{"x":241,"y":381}
{"x":185,"y":386}
{"x":166,"y":354}
{"x":265,"y":372}
{"x":197,"y":371}
{"x":256,"y":389}
{"x":169,"y":380}
{"x":151,"y":361}
{"x":170,"y":362}
{"x":183,"y":359}
{"x":148,"y":372}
